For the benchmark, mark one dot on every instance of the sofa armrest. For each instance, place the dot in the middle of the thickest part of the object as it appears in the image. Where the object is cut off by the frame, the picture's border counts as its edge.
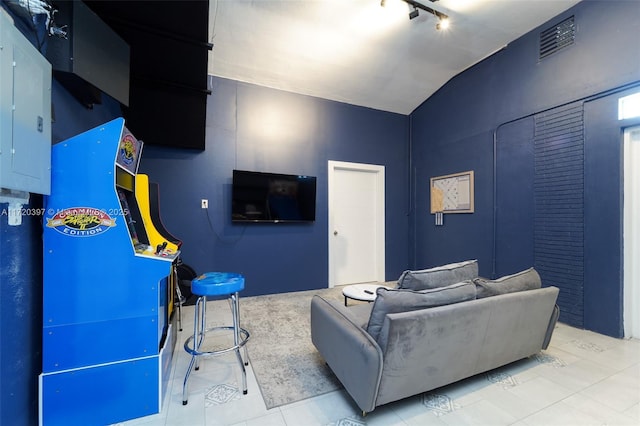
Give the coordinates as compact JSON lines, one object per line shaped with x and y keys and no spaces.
{"x":351,"y":353}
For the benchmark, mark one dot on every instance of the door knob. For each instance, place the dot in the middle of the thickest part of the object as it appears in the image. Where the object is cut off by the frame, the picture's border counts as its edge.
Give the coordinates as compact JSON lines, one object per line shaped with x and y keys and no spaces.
{"x":335,"y":232}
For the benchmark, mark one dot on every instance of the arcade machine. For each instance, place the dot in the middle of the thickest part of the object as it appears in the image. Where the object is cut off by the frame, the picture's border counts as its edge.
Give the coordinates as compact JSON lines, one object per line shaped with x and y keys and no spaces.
{"x":108,"y":336}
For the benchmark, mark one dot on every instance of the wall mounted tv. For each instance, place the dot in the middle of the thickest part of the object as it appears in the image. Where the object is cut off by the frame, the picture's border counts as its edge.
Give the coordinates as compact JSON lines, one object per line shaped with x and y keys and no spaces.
{"x":271,"y":197}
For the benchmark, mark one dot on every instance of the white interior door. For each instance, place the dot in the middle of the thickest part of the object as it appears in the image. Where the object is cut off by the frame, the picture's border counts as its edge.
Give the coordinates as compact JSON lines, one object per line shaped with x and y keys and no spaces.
{"x":631,"y":232}
{"x":356,"y":223}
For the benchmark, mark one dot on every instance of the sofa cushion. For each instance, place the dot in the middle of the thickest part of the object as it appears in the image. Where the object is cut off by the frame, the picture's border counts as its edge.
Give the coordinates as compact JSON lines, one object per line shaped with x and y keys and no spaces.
{"x":523,"y":280}
{"x":359,"y":314}
{"x":440,"y":276}
{"x":400,"y":300}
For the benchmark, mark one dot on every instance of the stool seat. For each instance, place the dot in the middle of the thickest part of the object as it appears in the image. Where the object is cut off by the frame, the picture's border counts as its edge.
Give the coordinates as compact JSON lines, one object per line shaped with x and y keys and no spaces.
{"x":217,"y":284}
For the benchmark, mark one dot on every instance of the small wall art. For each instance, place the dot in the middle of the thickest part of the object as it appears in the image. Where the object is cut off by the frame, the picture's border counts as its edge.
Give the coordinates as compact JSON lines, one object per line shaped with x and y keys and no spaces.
{"x":452,"y":193}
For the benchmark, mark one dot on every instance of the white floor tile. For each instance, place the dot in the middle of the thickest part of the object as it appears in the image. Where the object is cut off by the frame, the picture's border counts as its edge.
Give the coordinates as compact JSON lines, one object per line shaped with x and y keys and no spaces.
{"x":620,"y":391}
{"x":578,"y":375}
{"x":321,"y":410}
{"x":274,"y":418}
{"x":422,"y":418}
{"x":597,"y":410}
{"x":561,"y":414}
{"x":634,"y":413}
{"x":539,"y":393}
{"x":186,"y":415}
{"x":413,"y":411}
{"x":247,"y":407}
{"x":480,"y":413}
{"x":508,"y":402}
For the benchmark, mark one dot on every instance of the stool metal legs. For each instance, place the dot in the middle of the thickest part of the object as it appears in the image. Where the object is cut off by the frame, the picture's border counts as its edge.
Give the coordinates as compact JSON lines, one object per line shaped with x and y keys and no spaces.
{"x":180,"y":302}
{"x":193,"y":344}
{"x":237,"y":341}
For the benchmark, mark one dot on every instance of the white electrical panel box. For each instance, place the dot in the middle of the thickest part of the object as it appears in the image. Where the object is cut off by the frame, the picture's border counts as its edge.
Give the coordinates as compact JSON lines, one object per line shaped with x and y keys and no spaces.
{"x":25,"y":113}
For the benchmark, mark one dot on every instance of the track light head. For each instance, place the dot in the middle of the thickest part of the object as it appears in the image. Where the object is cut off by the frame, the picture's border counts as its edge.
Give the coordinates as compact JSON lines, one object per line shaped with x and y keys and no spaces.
{"x":443,"y":24}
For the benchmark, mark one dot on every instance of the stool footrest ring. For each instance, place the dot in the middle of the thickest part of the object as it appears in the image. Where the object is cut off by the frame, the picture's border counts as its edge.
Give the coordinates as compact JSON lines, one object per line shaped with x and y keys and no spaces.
{"x":244,"y":337}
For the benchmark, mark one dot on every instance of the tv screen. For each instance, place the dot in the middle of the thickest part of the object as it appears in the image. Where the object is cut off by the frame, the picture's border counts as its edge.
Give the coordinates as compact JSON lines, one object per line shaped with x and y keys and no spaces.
{"x":272,"y":197}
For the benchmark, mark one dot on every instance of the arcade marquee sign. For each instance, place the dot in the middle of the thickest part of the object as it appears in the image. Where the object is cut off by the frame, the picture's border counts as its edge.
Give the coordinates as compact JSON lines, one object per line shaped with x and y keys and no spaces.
{"x":82,"y":221}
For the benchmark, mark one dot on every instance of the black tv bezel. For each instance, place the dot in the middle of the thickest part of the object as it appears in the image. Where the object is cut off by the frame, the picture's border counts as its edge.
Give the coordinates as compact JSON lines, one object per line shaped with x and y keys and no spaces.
{"x":276,"y":175}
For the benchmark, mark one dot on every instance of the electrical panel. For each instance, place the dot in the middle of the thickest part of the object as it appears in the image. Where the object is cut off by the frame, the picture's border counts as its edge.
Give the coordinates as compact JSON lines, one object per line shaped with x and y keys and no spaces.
{"x":25,"y":113}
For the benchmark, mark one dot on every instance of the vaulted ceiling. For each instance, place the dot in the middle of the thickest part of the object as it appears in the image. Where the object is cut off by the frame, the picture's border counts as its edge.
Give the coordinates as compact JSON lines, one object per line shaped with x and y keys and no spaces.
{"x":357,"y":51}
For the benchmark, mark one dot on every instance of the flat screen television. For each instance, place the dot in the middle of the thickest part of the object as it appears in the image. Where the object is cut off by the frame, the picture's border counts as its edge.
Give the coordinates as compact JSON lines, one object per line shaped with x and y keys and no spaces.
{"x":272,"y":197}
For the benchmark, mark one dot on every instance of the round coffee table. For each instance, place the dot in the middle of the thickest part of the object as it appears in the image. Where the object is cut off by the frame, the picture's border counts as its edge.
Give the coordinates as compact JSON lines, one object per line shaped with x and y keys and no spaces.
{"x":362,"y":292}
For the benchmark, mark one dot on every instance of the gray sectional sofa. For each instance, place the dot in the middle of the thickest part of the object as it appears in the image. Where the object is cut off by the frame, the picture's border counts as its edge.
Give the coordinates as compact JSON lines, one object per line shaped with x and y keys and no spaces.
{"x":437,"y":327}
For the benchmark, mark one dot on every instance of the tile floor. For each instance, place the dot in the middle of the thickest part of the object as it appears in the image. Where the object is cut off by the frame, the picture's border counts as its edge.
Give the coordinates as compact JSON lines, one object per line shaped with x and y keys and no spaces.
{"x":583,"y":378}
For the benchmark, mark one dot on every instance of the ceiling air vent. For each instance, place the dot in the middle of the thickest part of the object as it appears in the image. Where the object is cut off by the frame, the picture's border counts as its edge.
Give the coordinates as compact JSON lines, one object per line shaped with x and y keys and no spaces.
{"x":557,"y":37}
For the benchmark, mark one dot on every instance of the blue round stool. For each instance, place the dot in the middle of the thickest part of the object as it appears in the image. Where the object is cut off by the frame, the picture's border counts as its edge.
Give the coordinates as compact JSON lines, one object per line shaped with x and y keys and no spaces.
{"x":215,"y":284}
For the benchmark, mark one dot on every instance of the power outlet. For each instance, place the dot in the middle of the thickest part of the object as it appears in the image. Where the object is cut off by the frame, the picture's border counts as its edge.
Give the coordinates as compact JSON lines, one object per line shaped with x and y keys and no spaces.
{"x":205,"y":203}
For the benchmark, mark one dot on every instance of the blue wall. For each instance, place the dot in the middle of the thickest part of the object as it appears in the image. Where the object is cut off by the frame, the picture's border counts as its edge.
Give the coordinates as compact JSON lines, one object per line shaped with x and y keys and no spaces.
{"x":20,"y":317}
{"x":453,"y":131}
{"x":256,"y":128}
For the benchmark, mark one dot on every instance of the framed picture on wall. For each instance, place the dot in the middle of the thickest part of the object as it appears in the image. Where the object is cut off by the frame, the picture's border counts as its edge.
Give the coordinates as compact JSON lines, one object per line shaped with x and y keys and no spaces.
{"x":452,"y":193}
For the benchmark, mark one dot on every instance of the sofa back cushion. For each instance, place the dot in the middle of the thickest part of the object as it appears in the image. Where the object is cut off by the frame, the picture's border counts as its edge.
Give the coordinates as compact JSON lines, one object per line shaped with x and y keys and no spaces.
{"x":528,"y":279}
{"x":390,"y":301}
{"x":440,"y":276}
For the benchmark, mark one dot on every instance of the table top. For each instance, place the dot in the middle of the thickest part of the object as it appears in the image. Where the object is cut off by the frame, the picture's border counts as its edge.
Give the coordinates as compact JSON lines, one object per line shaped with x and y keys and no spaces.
{"x":364,"y":292}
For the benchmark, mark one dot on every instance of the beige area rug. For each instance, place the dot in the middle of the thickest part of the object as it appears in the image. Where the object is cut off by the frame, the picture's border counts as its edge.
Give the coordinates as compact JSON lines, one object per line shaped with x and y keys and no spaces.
{"x":287,"y":366}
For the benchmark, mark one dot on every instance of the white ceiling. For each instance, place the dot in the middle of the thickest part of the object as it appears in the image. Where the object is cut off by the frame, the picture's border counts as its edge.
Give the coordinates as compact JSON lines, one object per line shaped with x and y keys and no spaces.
{"x":356,"y":51}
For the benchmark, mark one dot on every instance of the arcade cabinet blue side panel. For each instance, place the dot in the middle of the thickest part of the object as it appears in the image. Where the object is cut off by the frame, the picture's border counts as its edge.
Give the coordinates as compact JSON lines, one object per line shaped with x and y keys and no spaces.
{"x":87,"y":246}
{"x":101,"y":395}
{"x":81,"y":345}
{"x":95,"y":287}
{"x":166,"y":356}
